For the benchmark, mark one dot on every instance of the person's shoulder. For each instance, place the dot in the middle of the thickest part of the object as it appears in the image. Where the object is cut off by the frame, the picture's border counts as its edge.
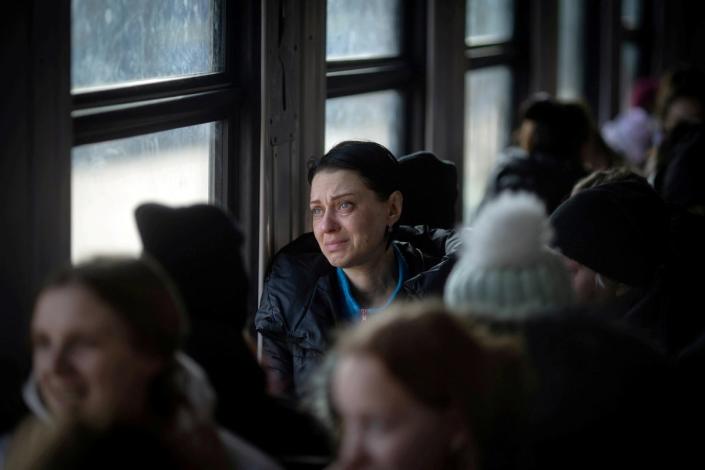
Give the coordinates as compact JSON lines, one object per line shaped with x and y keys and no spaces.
{"x":242,"y":454}
{"x":298,"y":272}
{"x":301,"y":257}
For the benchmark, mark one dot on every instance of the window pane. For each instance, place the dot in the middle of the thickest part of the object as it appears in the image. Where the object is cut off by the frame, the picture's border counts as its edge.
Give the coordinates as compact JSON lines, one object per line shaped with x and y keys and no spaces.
{"x":570,"y":49}
{"x":629,"y":59}
{"x":631,"y":13}
{"x":371,"y":116}
{"x":363,"y":29}
{"x":110,"y":179}
{"x":488,"y":21}
{"x":115,"y":42}
{"x":487,"y":126}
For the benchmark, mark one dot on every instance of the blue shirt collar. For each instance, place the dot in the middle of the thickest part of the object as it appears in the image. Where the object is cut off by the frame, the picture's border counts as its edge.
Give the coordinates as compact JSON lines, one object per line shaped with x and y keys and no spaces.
{"x":353,"y":308}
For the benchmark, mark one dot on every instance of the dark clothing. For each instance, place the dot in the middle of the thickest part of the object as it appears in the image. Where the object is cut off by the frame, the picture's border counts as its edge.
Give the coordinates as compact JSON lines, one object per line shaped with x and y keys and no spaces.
{"x":550,"y":178}
{"x":603,"y":394}
{"x":302,"y":302}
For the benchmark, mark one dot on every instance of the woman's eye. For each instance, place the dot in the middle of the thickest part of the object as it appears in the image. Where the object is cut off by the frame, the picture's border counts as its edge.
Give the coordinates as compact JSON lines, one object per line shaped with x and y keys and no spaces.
{"x":40,"y":342}
{"x":316,"y":211}
{"x":345,"y":205}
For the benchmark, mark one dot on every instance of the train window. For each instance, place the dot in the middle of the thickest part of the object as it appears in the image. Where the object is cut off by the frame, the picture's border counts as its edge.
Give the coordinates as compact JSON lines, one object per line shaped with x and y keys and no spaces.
{"x":487,"y":125}
{"x":149,"y":123}
{"x":631,"y":13}
{"x":629,"y":72}
{"x":632,"y":53}
{"x":127,"y":41}
{"x":364,"y":29}
{"x":110,"y":179}
{"x":369,"y":116}
{"x":488,"y":21}
{"x":490,"y":52}
{"x":370,"y":79}
{"x":570,"y":49}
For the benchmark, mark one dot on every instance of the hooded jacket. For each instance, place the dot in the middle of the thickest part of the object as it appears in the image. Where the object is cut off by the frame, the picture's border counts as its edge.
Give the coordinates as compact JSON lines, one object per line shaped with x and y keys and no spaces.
{"x":302,"y":302}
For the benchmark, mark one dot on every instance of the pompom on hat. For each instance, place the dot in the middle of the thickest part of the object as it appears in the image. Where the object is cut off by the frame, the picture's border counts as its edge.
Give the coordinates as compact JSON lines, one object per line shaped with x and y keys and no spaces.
{"x":507,"y":271}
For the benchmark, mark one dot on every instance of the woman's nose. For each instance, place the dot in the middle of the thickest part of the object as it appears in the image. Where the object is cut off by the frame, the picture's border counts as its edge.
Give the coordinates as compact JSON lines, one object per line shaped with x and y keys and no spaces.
{"x":329,"y":222}
{"x":58,"y":361}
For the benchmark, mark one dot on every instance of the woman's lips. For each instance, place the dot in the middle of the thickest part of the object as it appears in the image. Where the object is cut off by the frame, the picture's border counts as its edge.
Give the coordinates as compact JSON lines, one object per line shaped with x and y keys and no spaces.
{"x":335,"y":245}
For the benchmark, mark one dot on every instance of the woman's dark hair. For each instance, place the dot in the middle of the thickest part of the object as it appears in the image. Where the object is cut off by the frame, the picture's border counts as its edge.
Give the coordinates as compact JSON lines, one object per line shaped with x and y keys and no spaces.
{"x":375,"y":164}
{"x":561,"y":129}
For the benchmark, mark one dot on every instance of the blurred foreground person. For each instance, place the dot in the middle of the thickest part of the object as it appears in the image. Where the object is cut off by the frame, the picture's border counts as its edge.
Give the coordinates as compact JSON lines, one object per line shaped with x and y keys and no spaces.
{"x":413,"y":389}
{"x":105,"y":337}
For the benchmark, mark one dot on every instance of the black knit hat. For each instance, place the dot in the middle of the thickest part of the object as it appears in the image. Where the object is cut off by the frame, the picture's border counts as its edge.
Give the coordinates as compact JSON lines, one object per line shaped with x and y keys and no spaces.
{"x":618,"y":229}
{"x":199,"y":246}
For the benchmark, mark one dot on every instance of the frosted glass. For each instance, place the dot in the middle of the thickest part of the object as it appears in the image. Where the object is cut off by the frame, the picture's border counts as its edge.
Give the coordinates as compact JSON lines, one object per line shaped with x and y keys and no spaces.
{"x":487,"y":127}
{"x":363,"y":29}
{"x":628,"y":75}
{"x":488,"y":21}
{"x":370,"y":116}
{"x":570,"y":50}
{"x":631,"y":13}
{"x":110,"y":179}
{"x":117,"y":42}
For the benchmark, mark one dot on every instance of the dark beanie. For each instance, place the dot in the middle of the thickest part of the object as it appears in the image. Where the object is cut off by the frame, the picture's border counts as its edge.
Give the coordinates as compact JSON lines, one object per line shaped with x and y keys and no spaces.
{"x":199,"y":246}
{"x":618,"y":229}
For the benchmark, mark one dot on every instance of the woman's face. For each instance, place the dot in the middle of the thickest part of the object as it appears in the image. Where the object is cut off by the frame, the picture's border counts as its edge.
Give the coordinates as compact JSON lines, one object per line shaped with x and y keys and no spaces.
{"x":383,"y":426}
{"x":83,"y":359}
{"x":682,"y":110}
{"x":349,"y":220}
{"x":585,"y":283}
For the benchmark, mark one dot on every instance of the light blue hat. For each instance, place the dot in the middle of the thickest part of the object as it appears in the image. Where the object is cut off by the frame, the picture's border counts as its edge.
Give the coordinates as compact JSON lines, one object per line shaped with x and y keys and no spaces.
{"x":507,"y":270}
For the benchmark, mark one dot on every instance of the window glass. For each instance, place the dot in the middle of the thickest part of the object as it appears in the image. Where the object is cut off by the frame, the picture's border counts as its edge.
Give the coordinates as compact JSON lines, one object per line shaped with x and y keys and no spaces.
{"x":628,"y":75}
{"x":631,"y":13}
{"x":363,"y":29}
{"x":110,"y":179}
{"x":115,"y":42}
{"x":488,"y":21}
{"x":487,"y":127}
{"x":370,"y":116}
{"x":570,"y":49}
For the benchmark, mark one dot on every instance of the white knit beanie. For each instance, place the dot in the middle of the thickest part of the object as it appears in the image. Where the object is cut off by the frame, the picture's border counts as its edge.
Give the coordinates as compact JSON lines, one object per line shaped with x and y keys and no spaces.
{"x":507,"y":271}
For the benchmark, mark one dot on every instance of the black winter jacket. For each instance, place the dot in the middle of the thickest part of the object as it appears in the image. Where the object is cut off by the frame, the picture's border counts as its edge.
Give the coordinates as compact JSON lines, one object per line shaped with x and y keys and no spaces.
{"x":302,"y":302}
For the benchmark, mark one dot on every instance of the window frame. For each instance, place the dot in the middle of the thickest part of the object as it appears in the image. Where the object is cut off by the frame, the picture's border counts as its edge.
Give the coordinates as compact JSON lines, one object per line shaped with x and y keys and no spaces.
{"x":404,"y":73}
{"x":230,"y":97}
{"x":507,"y":53}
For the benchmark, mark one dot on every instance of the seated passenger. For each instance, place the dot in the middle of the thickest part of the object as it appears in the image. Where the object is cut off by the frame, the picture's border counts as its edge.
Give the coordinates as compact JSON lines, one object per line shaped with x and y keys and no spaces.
{"x":615,"y":234}
{"x":415,"y":389}
{"x":552,"y":138}
{"x":632,"y":132}
{"x":200,"y":248}
{"x":507,"y":272}
{"x":358,"y":264}
{"x":105,"y":338}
